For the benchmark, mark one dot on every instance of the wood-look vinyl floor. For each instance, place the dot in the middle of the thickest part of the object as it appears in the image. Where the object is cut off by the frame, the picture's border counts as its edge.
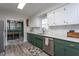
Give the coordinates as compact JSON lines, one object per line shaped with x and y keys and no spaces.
{"x":15,"y":50}
{"x":23,"y":49}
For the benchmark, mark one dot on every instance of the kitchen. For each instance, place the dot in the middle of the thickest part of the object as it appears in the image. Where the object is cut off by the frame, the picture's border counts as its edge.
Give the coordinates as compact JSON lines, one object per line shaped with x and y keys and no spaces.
{"x":52,"y":28}
{"x":60,"y":31}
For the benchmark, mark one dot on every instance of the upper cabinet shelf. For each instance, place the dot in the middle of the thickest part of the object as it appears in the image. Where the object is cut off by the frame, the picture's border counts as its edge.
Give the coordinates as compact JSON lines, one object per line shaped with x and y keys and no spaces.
{"x":65,"y":15}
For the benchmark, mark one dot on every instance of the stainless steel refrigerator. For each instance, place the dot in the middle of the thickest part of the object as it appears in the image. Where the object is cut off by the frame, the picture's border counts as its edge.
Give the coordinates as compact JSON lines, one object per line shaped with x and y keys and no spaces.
{"x":2,"y":34}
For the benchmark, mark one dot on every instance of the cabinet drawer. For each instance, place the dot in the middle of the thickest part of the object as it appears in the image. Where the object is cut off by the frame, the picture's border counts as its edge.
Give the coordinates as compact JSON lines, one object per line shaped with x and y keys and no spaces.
{"x":67,"y":43}
{"x":71,"y":44}
{"x":58,"y":41}
{"x":71,"y":51}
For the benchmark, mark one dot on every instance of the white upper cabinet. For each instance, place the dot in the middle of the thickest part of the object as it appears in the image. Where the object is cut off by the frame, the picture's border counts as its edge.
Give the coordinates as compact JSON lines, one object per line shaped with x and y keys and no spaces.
{"x":71,"y":11}
{"x":77,"y":12}
{"x":60,"y":16}
{"x":56,"y":17}
{"x":66,"y":15}
{"x":51,"y":18}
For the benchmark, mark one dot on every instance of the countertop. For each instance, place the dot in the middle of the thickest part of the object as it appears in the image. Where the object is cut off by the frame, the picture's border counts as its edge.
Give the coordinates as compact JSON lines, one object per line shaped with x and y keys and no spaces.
{"x":62,"y":37}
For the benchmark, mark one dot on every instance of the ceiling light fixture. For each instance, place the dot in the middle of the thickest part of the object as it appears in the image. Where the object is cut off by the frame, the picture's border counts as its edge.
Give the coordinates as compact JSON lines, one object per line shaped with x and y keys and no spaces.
{"x":21,"y":5}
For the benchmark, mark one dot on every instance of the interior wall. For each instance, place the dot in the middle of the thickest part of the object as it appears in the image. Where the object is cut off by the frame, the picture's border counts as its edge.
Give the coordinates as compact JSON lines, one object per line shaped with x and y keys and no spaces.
{"x":14,"y":16}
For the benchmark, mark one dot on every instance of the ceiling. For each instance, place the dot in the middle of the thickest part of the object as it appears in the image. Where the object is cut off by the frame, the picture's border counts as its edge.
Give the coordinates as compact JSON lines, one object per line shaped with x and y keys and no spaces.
{"x":29,"y":9}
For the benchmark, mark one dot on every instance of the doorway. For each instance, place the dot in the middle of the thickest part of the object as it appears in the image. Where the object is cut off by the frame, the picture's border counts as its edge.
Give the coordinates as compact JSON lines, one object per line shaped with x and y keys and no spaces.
{"x":15,"y":33}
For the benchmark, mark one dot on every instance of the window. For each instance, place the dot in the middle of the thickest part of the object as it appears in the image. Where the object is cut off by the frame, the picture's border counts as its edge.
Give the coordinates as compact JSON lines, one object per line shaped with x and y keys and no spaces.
{"x":12,"y":25}
{"x":44,"y":23}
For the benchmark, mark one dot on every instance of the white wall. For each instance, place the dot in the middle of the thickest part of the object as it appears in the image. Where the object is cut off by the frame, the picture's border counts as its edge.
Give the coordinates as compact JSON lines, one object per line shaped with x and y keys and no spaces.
{"x":14,"y":16}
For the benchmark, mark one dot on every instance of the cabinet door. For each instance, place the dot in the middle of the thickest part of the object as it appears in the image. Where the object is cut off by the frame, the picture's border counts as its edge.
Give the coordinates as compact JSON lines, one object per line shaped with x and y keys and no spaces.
{"x":71,"y":13}
{"x":33,"y":39}
{"x":71,"y":51}
{"x":29,"y":37}
{"x":77,"y":11}
{"x":60,"y":16}
{"x":39,"y":43}
{"x":51,"y":18}
{"x":58,"y":47}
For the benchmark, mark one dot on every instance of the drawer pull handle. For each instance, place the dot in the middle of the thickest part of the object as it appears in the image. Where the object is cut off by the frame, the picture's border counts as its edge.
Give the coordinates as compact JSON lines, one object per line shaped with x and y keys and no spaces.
{"x":71,"y":45}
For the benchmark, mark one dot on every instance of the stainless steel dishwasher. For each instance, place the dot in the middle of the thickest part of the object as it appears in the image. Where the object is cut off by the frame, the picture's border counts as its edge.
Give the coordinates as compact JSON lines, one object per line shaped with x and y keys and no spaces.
{"x":48,"y":45}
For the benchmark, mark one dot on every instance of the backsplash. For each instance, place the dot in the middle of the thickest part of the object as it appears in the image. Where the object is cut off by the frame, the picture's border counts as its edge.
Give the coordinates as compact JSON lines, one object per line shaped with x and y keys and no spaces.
{"x":62,"y":30}
{"x":57,"y":30}
{"x":36,"y":30}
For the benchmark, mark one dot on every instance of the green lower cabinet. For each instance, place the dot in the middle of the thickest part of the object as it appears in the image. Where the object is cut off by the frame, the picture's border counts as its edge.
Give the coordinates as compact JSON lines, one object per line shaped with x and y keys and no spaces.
{"x":71,"y":48}
{"x":28,"y":38}
{"x":36,"y":40}
{"x":39,"y":43}
{"x":59,"y":50}
{"x":65,"y":48}
{"x":71,"y":51}
{"x":32,"y":39}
